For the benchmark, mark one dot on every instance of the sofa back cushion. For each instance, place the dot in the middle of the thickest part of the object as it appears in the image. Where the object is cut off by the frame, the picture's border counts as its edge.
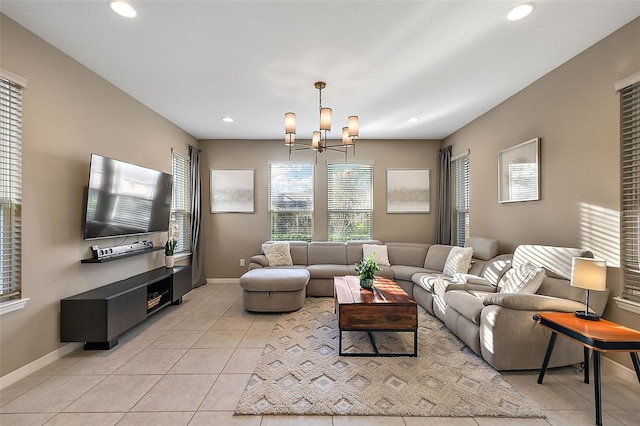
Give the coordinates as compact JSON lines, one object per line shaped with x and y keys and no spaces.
{"x":483,"y":248}
{"x":437,"y":257}
{"x":556,"y":261}
{"x":408,"y":254}
{"x":354,"y":250}
{"x":494,"y":269}
{"x":326,"y":252}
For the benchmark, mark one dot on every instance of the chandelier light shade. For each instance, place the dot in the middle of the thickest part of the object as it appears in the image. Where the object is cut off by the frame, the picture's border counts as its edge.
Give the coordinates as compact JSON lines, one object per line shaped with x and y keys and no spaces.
{"x":319,"y":137}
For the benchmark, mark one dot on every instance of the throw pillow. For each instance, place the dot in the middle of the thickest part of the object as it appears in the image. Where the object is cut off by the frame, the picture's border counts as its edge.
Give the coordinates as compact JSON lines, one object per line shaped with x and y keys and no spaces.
{"x":526,"y":278}
{"x":380,"y":254}
{"x":458,"y":261}
{"x":278,"y":254}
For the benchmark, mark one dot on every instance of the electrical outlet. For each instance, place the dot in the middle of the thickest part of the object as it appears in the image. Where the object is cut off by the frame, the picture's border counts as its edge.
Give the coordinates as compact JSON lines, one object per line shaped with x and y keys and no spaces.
{"x":241,"y":262}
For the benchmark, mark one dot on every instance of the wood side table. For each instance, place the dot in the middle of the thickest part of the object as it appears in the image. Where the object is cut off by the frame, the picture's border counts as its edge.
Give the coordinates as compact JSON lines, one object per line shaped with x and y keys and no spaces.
{"x":599,"y":336}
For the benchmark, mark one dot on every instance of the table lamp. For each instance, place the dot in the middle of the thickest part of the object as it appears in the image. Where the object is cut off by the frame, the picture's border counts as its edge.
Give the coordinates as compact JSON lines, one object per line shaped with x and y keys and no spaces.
{"x":590,"y":274}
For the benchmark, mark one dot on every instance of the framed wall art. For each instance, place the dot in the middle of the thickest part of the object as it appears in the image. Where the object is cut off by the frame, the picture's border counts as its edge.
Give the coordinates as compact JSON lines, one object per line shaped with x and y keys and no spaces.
{"x":519,"y":172}
{"x":232,"y":191}
{"x":408,"y":191}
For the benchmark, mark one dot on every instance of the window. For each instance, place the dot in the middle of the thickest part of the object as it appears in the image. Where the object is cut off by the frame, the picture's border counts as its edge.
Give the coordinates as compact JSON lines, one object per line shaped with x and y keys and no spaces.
{"x":350,"y":201}
{"x":10,"y":191}
{"x":290,"y":201}
{"x":181,"y":201}
{"x":460,"y":219}
{"x":630,"y":189}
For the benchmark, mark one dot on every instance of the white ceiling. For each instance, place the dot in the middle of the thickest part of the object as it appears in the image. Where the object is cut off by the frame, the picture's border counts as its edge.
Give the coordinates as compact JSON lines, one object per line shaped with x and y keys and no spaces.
{"x":446,"y":62}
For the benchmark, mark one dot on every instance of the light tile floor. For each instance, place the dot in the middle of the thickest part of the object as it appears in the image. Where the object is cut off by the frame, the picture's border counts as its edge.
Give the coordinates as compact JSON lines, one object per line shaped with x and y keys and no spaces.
{"x":188,"y":365}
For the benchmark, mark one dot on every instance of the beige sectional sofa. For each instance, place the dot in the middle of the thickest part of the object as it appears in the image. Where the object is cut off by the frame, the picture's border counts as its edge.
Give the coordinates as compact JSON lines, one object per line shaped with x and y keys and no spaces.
{"x":496,"y":325}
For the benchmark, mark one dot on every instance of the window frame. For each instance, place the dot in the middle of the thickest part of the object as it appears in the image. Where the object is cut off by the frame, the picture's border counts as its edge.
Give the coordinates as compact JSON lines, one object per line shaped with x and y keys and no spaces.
{"x":181,"y":199}
{"x":301,"y":171}
{"x":336,"y":209}
{"x":630,"y":193}
{"x":11,"y":88}
{"x":460,"y":200}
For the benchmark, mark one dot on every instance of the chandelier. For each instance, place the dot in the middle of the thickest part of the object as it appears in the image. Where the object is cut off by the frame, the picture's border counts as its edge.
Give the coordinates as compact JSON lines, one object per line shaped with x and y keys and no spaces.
{"x":319,"y":137}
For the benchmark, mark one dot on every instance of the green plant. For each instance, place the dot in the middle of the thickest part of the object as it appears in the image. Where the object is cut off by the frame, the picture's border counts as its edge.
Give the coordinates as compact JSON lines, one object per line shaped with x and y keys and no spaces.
{"x":169,"y":247}
{"x":367,"y":268}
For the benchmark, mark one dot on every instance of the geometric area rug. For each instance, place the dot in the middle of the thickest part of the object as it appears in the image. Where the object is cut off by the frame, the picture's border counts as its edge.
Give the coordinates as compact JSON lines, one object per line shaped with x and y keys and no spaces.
{"x":300,"y":373}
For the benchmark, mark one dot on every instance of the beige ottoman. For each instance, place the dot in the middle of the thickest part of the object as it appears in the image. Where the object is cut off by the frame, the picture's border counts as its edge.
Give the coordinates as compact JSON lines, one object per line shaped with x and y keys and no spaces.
{"x":274,"y":290}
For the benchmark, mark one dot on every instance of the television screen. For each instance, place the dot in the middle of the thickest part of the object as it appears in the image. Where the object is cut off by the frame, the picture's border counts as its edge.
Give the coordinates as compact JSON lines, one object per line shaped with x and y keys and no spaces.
{"x":125,"y":199}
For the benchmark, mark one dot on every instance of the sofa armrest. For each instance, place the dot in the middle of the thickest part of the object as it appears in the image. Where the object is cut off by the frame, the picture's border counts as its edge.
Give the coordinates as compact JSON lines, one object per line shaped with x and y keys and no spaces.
{"x":532,"y":302}
{"x":260,"y":259}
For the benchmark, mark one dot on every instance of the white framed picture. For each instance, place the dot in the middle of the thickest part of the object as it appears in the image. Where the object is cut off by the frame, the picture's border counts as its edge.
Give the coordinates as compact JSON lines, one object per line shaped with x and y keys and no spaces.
{"x":408,"y":191}
{"x":232,"y":191}
{"x":519,"y":172}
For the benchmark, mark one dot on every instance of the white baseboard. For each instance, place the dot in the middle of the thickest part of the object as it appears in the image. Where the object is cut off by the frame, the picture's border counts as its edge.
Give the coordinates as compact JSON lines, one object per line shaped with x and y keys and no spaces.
{"x":22,"y":372}
{"x":222,"y":280}
{"x":618,"y":371}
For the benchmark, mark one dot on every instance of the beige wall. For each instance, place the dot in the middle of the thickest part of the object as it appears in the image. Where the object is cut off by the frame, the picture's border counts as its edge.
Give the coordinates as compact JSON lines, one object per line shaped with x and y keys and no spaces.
{"x":230,"y":237}
{"x":575,"y":111}
{"x":68,"y":113}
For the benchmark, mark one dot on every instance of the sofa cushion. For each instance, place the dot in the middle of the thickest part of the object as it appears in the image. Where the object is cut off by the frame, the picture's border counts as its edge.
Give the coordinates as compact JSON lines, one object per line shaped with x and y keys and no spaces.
{"x":328,"y":270}
{"x":409,"y":254}
{"x":555,"y":260}
{"x":323,"y":252}
{"x":277,"y":253}
{"x":404,"y":272}
{"x":525,"y":278}
{"x":268,"y":279}
{"x":483,"y":248}
{"x":437,"y":257}
{"x":469,"y":305}
{"x":458,"y":261}
{"x":379,"y":252}
{"x":426,"y":280}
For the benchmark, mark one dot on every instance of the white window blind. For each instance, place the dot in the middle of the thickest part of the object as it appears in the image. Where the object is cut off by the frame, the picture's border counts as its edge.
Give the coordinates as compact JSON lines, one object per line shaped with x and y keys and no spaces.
{"x":630,"y":187}
{"x":350,"y":201}
{"x":290,"y":201}
{"x":460,"y":193}
{"x":181,"y":201}
{"x":10,"y":188}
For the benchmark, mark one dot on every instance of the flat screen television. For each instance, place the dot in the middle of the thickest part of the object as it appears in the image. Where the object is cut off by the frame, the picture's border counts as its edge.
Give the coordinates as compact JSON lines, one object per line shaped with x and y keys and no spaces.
{"x":125,"y":199}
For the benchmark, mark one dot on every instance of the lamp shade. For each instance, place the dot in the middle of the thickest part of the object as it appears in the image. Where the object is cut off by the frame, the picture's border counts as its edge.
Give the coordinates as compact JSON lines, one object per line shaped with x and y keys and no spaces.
{"x":315,"y":140}
{"x":290,"y":139}
{"x":346,"y":139}
{"x":353,"y":126}
{"x":590,"y":274}
{"x":325,"y":119}
{"x":290,"y":123}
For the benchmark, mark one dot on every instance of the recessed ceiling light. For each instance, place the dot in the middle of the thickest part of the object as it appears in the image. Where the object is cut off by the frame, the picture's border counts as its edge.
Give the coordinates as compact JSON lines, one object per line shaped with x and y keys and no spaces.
{"x":520,"y":12}
{"x":414,"y":119}
{"x":227,"y":119}
{"x":123,"y":8}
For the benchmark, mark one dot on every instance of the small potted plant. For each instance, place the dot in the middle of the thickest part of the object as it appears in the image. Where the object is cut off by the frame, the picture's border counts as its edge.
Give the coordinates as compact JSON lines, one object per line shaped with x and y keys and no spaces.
{"x":366,"y":269}
{"x":169,"y":247}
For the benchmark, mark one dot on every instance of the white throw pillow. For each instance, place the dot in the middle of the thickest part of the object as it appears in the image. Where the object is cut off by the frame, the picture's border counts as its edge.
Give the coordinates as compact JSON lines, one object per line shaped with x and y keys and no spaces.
{"x":526,"y":278}
{"x":380,"y":254}
{"x":278,"y":254}
{"x":458,"y":261}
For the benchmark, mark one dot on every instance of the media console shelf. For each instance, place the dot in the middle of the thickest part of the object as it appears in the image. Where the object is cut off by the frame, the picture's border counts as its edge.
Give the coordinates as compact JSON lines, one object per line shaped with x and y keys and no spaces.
{"x":97,"y":317}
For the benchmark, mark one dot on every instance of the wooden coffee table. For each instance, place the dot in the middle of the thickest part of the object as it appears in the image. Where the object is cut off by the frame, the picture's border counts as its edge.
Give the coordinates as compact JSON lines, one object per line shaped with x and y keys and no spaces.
{"x":384,"y":308}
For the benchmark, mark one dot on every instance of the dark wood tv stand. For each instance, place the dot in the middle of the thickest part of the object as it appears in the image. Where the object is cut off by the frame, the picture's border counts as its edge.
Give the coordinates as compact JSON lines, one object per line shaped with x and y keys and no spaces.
{"x":97,"y":317}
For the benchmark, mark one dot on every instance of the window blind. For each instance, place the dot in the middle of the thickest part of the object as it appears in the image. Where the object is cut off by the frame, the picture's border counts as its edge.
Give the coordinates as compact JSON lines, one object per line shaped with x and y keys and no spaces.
{"x":350,"y":201}
{"x":181,"y":200}
{"x":460,"y":219}
{"x":290,"y":201}
{"x":630,"y":188}
{"x":10,"y":188}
